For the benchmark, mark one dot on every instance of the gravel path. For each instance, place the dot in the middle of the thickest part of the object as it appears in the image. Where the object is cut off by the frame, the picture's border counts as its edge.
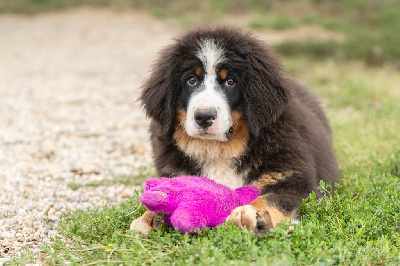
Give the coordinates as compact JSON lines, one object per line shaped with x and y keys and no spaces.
{"x":68,"y":86}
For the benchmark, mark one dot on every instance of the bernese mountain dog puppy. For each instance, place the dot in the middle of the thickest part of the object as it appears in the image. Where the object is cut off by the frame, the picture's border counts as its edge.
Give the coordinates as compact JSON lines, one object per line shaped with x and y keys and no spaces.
{"x":221,"y":107}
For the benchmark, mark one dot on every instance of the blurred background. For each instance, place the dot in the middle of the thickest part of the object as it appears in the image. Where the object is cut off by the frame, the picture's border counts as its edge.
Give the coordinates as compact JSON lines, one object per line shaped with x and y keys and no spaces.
{"x":365,"y":30}
{"x":73,"y":135}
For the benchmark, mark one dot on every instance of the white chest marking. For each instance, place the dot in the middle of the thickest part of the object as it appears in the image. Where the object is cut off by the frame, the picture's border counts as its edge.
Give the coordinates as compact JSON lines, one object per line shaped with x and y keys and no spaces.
{"x":223,"y":173}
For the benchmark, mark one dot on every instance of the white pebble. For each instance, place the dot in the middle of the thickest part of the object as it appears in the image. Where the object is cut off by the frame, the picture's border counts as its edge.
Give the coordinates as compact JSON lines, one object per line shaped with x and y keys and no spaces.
{"x":36,"y":252}
{"x":22,"y":212}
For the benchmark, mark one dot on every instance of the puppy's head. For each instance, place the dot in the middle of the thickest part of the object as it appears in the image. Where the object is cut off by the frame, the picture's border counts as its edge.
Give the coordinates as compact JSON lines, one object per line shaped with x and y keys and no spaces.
{"x":210,"y":76}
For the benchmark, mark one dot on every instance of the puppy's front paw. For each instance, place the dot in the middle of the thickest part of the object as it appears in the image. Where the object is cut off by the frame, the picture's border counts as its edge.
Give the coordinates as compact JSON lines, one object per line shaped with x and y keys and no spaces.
{"x":244,"y":216}
{"x":145,"y":223}
{"x":247,"y":216}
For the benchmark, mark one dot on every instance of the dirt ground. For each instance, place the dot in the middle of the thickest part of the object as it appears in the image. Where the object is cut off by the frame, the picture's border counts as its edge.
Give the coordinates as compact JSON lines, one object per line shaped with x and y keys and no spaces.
{"x":68,"y":88}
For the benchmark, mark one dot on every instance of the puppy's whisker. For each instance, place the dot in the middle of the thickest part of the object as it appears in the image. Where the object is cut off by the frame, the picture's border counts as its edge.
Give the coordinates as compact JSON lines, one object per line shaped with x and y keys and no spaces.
{"x":181,"y":124}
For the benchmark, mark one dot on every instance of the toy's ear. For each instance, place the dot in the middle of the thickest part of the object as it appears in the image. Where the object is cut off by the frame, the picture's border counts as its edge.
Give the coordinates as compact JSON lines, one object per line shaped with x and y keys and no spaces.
{"x":264,"y":91}
{"x":160,"y":90}
{"x":151,"y":183}
{"x":157,"y":182}
{"x":247,"y":194}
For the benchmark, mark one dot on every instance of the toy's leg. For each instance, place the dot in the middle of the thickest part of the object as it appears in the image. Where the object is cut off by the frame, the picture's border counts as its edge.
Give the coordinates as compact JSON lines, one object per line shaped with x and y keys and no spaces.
{"x":145,"y":223}
{"x":187,"y":219}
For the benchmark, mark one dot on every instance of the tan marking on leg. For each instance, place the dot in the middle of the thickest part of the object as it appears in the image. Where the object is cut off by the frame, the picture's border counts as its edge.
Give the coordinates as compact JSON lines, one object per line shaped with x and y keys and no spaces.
{"x":224,"y":73}
{"x":276,"y":216}
{"x":197,"y":71}
{"x":257,"y":216}
{"x":145,"y":223}
{"x":271,"y":179}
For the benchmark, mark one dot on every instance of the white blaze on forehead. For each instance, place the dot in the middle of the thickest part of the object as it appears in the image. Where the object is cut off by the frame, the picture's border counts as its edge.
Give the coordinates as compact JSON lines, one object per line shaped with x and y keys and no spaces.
{"x":210,"y":55}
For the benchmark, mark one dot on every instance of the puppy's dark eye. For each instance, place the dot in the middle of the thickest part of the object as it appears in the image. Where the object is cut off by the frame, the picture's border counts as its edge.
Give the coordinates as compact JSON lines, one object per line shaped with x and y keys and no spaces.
{"x":230,"y":82}
{"x":191,"y":81}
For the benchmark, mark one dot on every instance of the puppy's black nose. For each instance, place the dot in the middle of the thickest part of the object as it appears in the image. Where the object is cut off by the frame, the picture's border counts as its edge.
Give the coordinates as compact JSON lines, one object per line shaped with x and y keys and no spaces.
{"x":205,"y":117}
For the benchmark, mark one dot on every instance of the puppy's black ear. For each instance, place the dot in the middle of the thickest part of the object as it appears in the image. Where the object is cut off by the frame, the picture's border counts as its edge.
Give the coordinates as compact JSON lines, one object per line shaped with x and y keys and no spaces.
{"x":264,"y":91}
{"x":160,"y":90}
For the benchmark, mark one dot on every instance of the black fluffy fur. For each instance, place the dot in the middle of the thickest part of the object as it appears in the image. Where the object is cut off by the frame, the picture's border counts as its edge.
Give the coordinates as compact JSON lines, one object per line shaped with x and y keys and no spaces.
{"x":289,"y":131}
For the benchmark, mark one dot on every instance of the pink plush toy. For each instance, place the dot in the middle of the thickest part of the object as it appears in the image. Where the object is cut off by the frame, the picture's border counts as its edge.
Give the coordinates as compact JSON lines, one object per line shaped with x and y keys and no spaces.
{"x":191,"y":202}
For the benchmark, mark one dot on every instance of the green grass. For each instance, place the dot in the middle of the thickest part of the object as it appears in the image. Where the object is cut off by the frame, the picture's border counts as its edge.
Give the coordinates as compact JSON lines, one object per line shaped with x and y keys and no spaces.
{"x":312,"y":49}
{"x":274,"y":22}
{"x":370,"y":28}
{"x":362,"y":103}
{"x":359,"y":223}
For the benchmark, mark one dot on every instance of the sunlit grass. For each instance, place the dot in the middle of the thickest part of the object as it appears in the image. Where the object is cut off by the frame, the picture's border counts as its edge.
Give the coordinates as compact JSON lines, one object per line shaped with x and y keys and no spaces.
{"x":361,"y":102}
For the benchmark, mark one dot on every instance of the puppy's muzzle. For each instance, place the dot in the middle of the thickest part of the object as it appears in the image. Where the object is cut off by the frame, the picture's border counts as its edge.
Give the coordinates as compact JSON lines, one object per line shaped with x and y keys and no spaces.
{"x":205,"y":117}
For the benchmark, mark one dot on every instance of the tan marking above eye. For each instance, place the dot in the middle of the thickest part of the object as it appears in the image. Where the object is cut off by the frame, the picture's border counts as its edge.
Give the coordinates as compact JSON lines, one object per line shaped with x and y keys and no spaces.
{"x":197,"y":71}
{"x":224,"y":73}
